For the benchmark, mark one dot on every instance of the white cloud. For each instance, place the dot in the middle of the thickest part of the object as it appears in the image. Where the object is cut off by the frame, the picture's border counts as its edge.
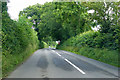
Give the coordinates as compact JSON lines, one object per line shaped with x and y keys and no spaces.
{"x":15,"y":6}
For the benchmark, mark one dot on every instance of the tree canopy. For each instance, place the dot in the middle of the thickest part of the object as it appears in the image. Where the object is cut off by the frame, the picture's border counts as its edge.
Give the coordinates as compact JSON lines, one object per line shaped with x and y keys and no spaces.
{"x":58,"y":20}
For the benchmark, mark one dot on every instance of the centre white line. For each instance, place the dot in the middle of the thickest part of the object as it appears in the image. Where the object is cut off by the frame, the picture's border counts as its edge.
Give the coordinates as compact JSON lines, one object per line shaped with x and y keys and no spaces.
{"x":70,"y":63}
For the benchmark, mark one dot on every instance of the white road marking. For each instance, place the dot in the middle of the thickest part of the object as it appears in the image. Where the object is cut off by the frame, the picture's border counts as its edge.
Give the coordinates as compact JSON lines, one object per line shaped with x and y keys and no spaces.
{"x":70,"y":63}
{"x":75,"y":66}
{"x":56,"y":53}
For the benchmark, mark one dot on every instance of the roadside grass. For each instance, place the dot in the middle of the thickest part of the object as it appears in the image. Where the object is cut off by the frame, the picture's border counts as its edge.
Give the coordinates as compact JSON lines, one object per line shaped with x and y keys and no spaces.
{"x":11,"y":61}
{"x":103,"y":55}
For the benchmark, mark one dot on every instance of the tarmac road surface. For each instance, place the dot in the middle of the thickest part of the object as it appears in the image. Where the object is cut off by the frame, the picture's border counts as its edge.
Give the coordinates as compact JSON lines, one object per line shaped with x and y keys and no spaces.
{"x":49,"y":63}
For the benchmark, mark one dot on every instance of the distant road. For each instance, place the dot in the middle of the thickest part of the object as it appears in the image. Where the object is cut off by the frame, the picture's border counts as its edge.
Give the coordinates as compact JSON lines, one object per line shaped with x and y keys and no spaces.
{"x":48,"y":63}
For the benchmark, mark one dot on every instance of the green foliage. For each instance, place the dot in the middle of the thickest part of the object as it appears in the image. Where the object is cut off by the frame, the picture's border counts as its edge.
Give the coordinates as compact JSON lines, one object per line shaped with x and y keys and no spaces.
{"x":41,"y":45}
{"x":19,"y":40}
{"x":106,"y":15}
{"x":17,"y":34}
{"x":45,"y":44}
{"x":58,"y":20}
{"x":4,"y":6}
{"x":94,"y":40}
{"x":10,"y":61}
{"x":103,"y":55}
{"x":102,"y":47}
{"x":64,"y":20}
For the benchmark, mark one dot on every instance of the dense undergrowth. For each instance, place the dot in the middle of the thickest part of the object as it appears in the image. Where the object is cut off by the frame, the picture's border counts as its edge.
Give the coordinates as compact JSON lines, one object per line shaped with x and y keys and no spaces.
{"x":19,"y":41}
{"x":10,"y":62}
{"x":102,"y":47}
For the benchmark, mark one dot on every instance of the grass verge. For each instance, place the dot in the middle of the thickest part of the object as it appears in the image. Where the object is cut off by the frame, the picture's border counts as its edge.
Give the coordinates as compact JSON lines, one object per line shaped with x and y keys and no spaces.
{"x":103,"y":55}
{"x":11,"y":61}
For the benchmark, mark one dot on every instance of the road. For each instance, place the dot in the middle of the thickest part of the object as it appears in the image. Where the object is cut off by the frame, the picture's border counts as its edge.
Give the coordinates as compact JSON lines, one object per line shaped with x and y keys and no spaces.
{"x":47,"y":63}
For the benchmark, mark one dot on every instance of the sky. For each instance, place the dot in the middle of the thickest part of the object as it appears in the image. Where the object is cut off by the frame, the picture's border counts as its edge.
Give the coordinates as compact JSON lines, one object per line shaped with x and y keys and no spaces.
{"x":15,"y":6}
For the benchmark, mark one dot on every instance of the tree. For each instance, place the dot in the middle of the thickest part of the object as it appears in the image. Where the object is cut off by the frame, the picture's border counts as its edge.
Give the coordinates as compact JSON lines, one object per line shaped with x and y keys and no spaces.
{"x":106,"y":14}
{"x":58,"y":20}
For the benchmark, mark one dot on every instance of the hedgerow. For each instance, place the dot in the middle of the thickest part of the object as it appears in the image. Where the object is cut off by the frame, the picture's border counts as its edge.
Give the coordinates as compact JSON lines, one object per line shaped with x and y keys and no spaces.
{"x":94,"y":40}
{"x":95,"y":45}
{"x":19,"y":41}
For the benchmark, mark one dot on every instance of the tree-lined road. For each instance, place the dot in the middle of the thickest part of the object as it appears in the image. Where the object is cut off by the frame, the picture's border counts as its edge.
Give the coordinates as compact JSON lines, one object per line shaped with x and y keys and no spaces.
{"x":48,"y":63}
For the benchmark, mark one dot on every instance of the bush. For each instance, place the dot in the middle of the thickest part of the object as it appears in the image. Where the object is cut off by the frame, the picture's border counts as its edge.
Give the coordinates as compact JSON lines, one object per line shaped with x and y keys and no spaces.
{"x":94,"y":40}
{"x":19,"y":40}
{"x":41,"y":44}
{"x":102,"y":47}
